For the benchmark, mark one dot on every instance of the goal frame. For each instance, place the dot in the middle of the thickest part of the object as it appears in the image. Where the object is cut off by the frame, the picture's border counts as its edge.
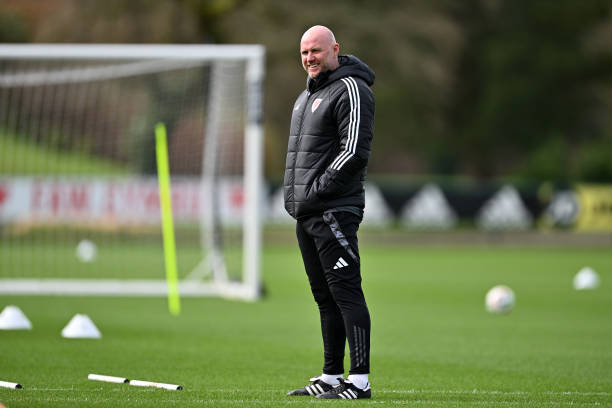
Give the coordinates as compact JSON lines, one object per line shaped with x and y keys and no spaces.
{"x":253,"y":55}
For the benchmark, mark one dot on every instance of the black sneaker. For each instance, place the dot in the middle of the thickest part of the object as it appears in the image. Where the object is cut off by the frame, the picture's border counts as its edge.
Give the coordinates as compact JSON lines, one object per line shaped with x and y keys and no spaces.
{"x":347,"y":390}
{"x":317,"y":387}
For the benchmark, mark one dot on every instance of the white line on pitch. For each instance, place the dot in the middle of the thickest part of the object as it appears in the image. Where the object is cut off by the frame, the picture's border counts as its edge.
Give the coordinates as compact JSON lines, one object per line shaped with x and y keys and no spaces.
{"x":494,"y":392}
{"x":387,"y":391}
{"x":475,"y":392}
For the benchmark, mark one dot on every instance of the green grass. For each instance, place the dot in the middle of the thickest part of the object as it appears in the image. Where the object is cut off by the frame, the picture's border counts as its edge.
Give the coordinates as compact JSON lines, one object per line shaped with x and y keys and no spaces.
{"x":432,"y":342}
{"x":52,"y":254}
{"x":19,"y":156}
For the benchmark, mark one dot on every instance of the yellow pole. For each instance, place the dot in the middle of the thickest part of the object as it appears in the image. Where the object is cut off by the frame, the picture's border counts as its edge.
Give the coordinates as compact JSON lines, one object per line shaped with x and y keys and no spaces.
{"x":163,"y":177}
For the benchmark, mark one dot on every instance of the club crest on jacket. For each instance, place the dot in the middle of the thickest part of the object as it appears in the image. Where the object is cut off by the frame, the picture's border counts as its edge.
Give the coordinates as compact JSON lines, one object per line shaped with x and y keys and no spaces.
{"x":316,"y":104}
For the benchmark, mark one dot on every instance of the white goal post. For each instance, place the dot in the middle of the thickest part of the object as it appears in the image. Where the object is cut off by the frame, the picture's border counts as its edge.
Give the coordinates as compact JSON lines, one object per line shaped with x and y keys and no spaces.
{"x":74,"y":122}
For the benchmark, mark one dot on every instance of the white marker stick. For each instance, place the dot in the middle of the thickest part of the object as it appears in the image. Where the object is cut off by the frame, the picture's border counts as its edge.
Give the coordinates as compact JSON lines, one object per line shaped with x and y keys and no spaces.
{"x":107,"y":378}
{"x":6,"y":384}
{"x":141,"y":383}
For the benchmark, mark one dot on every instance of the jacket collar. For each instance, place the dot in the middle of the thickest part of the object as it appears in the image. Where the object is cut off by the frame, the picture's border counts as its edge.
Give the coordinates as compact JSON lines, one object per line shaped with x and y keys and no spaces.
{"x":349,"y":65}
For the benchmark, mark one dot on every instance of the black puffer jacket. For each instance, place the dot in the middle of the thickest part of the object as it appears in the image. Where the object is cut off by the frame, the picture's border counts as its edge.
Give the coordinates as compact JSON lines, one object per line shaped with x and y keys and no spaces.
{"x":329,"y":145}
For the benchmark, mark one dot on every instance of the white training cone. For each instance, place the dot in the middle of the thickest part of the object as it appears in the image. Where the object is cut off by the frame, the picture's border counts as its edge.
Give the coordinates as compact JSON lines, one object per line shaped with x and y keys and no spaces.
{"x":81,"y":327}
{"x":12,"y":318}
{"x":586,"y":279}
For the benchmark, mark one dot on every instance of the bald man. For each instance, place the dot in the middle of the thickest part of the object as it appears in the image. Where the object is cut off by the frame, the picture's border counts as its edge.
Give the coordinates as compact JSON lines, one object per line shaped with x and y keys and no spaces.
{"x":327,"y":157}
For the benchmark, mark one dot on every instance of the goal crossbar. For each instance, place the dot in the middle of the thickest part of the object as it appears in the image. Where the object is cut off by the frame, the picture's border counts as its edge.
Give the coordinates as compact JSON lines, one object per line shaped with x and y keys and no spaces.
{"x":131,"y":51}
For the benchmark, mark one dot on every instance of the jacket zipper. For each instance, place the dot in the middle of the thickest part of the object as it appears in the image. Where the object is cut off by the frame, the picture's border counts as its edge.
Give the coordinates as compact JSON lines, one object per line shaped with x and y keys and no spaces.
{"x":297,"y":145}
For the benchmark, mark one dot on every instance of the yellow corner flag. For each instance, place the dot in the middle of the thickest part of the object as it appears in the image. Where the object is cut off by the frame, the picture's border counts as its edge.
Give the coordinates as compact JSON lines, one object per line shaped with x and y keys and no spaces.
{"x":163,"y":176}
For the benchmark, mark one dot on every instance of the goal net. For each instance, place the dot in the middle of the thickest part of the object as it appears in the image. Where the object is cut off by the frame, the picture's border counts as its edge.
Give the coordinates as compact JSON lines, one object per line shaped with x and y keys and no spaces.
{"x":79,"y":196}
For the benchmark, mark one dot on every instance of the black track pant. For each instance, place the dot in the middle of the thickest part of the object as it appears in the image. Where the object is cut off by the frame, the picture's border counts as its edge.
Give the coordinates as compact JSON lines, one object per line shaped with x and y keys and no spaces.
{"x":330,"y":252}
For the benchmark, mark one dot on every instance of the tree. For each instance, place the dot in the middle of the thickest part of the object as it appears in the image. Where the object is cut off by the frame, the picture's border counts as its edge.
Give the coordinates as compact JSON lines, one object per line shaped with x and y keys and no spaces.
{"x":527,"y":82}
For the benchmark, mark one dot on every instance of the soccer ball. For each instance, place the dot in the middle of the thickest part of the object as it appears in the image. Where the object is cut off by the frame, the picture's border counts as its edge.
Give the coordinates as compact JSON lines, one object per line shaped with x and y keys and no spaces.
{"x":499,"y":299}
{"x":586,"y":279}
{"x":86,"y":251}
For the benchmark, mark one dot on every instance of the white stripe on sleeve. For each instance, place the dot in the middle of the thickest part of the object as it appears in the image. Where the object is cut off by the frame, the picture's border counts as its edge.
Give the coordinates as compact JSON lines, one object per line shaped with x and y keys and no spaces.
{"x":353,"y":128}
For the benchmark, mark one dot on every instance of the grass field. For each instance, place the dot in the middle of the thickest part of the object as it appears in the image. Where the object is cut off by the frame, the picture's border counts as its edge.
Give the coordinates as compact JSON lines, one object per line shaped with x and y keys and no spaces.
{"x":432,"y":342}
{"x":20,"y":156}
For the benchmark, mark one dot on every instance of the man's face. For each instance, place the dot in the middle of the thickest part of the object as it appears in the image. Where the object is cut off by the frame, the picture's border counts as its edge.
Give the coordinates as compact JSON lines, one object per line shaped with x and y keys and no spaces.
{"x":319,"y":53}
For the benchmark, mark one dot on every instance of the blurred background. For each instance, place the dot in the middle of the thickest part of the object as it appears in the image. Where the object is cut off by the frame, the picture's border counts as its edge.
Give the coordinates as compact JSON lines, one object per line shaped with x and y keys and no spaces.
{"x":491,"y":164}
{"x":475,"y":98}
